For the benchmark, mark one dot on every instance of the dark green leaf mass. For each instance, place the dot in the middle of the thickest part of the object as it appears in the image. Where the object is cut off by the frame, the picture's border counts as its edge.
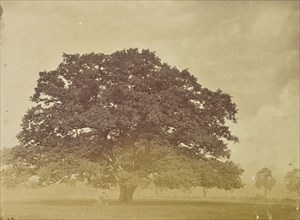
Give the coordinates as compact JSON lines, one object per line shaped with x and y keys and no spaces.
{"x":126,"y":118}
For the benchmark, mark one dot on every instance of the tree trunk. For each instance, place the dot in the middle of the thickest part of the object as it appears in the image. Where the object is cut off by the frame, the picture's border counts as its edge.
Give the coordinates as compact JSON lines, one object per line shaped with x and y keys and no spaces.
{"x":126,"y":193}
{"x":266,"y":193}
{"x":204,"y":191}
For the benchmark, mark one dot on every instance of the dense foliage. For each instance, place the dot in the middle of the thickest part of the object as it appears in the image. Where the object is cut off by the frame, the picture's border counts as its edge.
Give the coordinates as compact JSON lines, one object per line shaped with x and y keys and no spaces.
{"x":127,"y":119}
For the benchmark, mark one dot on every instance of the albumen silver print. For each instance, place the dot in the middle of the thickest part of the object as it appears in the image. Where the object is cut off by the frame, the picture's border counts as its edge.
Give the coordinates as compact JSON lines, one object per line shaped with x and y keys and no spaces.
{"x":149,"y":110}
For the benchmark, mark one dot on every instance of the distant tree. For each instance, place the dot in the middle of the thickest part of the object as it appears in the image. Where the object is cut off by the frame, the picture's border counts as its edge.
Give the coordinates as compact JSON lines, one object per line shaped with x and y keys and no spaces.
{"x":118,"y":119}
{"x":292,"y":179}
{"x":265,"y":179}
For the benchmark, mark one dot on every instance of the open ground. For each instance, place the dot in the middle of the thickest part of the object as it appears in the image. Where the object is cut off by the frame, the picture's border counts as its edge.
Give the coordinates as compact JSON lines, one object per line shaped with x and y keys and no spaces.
{"x":148,"y":209}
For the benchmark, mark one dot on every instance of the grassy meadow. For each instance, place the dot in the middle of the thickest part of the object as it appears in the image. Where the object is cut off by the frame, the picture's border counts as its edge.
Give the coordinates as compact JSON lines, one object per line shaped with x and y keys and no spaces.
{"x":147,"y":209}
{"x":80,"y":202}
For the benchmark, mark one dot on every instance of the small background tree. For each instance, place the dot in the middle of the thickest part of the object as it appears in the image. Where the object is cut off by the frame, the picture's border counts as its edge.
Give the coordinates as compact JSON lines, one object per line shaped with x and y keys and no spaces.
{"x":265,"y":179}
{"x":292,"y":179}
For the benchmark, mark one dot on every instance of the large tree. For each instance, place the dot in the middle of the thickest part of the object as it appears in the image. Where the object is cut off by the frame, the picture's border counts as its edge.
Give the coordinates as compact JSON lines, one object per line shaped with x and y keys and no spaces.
{"x":126,"y":119}
{"x":265,"y":179}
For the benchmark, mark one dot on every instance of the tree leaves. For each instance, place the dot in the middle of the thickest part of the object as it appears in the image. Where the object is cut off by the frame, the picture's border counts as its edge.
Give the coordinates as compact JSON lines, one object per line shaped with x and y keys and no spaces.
{"x":131,"y":111}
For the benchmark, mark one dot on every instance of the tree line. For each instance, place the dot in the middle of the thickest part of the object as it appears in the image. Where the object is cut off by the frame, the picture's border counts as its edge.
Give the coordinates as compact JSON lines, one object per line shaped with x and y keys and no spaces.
{"x":265,"y":180}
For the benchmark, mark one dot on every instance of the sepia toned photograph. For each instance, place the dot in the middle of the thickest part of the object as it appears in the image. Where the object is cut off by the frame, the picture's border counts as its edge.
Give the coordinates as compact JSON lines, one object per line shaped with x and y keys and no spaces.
{"x":149,"y":110}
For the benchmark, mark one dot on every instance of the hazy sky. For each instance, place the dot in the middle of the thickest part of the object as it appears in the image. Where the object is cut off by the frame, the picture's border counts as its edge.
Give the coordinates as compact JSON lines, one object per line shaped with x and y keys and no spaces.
{"x":248,"y":49}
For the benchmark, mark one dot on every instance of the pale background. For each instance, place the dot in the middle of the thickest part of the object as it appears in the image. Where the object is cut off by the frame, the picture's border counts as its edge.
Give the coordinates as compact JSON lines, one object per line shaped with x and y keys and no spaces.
{"x":249,"y":49}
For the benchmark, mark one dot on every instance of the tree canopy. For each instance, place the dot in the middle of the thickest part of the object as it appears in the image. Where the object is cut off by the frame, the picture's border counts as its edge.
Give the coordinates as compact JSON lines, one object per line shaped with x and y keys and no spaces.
{"x":124,"y":119}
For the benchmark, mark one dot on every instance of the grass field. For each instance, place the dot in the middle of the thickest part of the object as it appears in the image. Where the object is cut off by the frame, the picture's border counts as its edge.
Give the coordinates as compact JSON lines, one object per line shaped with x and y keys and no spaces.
{"x":146,"y":209}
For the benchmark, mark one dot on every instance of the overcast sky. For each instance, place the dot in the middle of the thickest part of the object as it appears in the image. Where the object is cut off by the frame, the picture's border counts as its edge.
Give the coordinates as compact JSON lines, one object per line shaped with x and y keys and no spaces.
{"x":248,"y":49}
